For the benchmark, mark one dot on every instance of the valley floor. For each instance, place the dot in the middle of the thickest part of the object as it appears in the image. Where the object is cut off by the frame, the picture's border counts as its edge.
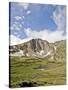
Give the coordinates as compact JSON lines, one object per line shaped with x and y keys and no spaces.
{"x":36,"y":71}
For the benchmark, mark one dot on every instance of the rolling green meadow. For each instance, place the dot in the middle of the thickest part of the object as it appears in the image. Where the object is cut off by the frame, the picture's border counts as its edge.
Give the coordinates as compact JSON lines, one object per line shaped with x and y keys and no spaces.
{"x":41,"y":71}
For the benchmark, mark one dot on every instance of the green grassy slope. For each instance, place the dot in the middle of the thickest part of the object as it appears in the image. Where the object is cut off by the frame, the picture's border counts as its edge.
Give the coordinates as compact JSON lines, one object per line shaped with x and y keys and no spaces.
{"x":33,"y":69}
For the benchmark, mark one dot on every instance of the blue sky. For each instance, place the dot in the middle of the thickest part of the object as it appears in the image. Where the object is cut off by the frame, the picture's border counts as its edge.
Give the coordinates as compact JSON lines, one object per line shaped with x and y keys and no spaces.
{"x":43,"y":21}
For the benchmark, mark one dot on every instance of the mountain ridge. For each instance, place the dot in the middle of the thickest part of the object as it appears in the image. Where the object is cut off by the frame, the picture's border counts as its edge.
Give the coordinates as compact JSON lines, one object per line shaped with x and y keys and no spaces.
{"x":40,"y":48}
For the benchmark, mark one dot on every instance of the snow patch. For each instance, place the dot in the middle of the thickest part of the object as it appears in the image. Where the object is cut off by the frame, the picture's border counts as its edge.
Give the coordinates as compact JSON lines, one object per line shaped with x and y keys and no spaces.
{"x":38,"y":53}
{"x":20,"y":53}
{"x":47,"y":54}
{"x":27,"y":54}
{"x":55,"y":48}
{"x":41,"y":52}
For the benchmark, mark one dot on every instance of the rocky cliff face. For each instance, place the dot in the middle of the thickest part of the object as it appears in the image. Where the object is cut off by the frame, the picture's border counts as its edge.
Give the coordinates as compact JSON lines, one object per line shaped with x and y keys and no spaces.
{"x":40,"y":48}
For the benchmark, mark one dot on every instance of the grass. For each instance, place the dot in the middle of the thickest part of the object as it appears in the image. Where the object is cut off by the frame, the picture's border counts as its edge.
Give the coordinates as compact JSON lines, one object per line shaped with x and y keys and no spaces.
{"x":30,"y":68}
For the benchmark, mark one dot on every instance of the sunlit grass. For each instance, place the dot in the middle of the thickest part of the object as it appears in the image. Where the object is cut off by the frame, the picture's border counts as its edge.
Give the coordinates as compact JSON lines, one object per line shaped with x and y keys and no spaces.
{"x":29,"y":68}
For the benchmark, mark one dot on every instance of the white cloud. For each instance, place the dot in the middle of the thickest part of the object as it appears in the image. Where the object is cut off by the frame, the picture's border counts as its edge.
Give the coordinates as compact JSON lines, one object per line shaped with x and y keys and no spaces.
{"x":28,"y":12}
{"x":15,"y":40}
{"x":16,"y":26}
{"x":24,"y":5}
{"x":59,"y":17}
{"x":23,"y":17}
{"x":45,"y":35}
{"x":23,"y":22}
{"x":18,"y":17}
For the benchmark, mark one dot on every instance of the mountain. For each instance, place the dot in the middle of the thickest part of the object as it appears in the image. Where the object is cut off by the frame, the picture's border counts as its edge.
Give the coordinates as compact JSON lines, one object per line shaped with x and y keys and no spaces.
{"x":40,"y":48}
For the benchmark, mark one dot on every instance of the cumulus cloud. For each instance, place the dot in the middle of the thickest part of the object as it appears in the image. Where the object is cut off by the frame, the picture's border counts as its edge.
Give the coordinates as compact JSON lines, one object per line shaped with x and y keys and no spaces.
{"x":16,"y":26}
{"x":59,"y":17}
{"x":22,"y":22}
{"x":45,"y":35}
{"x":14,"y":40}
{"x":23,"y":17}
{"x":18,"y":17}
{"x":28,"y":12}
{"x":24,"y":5}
